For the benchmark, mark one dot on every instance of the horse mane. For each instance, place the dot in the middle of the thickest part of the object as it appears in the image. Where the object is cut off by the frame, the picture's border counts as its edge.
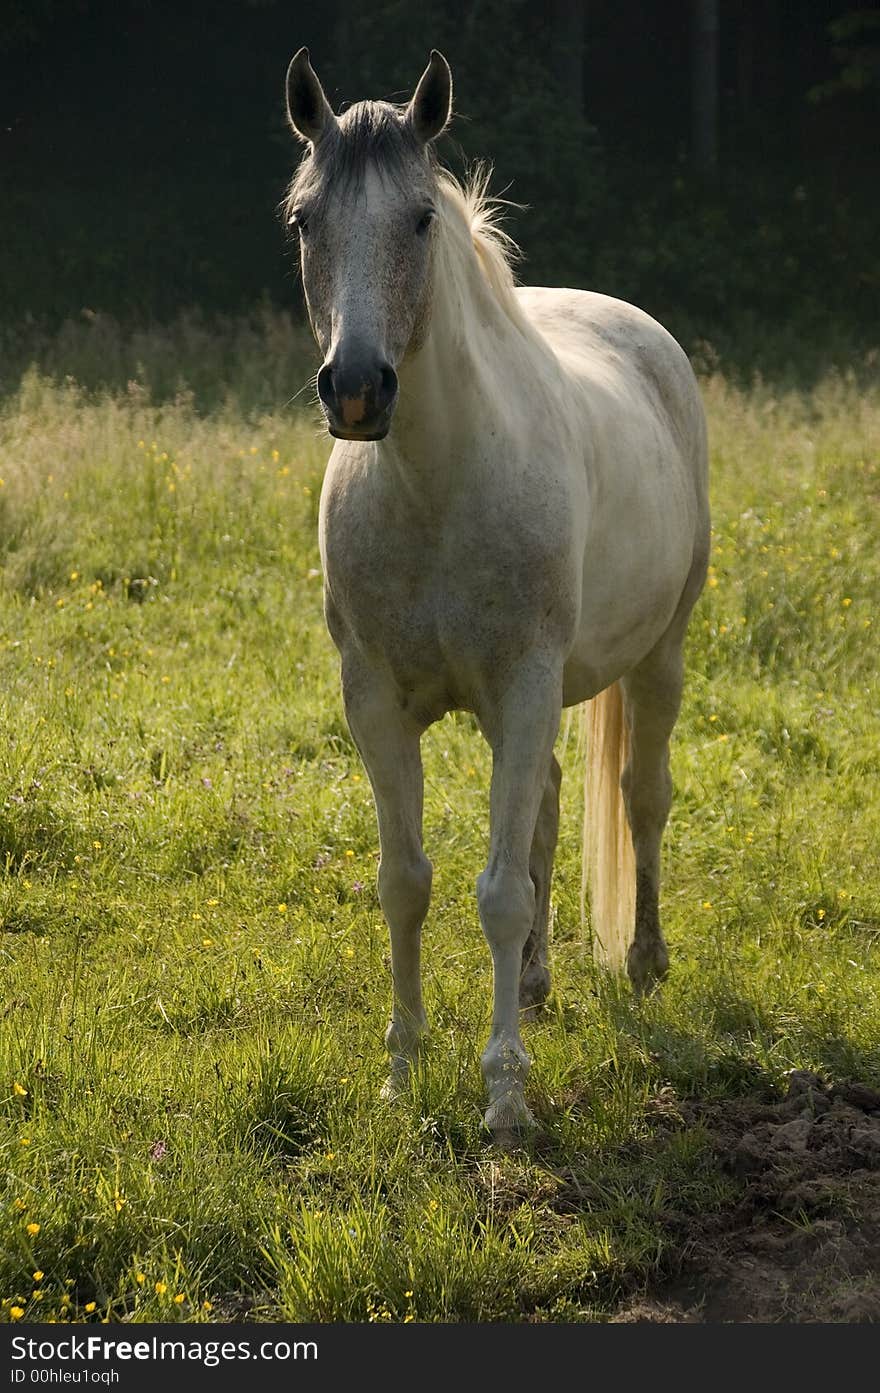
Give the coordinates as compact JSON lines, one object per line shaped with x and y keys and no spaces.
{"x":496,"y":250}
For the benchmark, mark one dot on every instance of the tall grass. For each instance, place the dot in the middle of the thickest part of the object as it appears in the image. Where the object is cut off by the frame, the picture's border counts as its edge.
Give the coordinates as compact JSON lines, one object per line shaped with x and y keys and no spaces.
{"x":260,"y":362}
{"x":195,"y":965}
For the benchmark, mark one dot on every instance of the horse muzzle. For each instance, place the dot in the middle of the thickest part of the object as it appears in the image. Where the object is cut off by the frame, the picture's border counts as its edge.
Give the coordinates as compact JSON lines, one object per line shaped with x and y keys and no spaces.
{"x":358,"y":398}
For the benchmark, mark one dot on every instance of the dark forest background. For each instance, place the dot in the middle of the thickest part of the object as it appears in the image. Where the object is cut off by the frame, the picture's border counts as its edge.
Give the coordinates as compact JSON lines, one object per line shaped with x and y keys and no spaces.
{"x":715,"y":161}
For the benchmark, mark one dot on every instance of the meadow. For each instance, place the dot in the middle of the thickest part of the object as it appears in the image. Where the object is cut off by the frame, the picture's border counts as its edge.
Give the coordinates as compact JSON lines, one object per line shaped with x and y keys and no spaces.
{"x":194,"y":964}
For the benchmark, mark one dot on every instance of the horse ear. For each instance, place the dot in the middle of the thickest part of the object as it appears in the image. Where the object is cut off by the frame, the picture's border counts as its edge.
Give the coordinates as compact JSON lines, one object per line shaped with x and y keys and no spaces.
{"x":308,"y":110}
{"x":431,"y":107}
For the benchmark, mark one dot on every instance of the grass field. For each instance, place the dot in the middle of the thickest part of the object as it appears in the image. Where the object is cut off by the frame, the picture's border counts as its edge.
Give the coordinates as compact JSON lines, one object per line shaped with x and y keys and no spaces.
{"x":195,"y":967}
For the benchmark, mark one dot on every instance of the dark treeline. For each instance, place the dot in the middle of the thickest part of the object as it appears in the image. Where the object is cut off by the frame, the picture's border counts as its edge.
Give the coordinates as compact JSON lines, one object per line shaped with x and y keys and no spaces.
{"x":713,"y":160}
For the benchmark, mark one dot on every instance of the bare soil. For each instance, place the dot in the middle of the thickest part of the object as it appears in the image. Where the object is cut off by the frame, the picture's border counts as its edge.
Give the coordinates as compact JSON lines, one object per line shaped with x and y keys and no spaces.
{"x":803,"y":1243}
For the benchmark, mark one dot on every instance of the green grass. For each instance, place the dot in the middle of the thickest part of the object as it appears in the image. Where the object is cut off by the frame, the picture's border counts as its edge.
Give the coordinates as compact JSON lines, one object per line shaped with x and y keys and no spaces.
{"x":195,"y":966}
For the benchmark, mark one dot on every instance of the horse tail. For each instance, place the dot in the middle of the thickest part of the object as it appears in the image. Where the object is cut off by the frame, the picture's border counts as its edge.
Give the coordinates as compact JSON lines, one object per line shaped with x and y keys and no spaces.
{"x":609,"y":863}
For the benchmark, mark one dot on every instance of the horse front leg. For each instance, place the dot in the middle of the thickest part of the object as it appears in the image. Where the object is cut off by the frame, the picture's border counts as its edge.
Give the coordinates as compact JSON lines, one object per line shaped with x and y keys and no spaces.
{"x":521,"y":728}
{"x":389,"y":744}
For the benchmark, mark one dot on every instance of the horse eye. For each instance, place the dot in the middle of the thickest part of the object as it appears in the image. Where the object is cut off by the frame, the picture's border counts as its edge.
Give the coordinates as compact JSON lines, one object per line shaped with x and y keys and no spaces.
{"x":425,"y":221}
{"x":300,"y":222}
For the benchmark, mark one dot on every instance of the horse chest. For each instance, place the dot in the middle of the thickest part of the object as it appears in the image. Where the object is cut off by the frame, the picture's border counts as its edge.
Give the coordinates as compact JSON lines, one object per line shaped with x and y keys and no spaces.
{"x":439,"y":615}
{"x":392,"y":614}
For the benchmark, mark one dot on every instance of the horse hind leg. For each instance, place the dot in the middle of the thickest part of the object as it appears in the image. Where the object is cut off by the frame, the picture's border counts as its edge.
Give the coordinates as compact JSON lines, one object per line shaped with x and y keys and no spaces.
{"x":652,"y":696}
{"x":534,"y":982}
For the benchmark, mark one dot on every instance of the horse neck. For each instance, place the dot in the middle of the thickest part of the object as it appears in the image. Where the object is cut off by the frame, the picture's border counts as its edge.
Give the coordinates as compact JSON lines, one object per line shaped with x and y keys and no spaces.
{"x":449,"y":388}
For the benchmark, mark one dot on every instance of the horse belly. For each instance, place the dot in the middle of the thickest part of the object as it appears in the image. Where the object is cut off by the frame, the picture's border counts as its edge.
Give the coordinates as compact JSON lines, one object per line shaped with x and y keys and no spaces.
{"x":631,"y":592}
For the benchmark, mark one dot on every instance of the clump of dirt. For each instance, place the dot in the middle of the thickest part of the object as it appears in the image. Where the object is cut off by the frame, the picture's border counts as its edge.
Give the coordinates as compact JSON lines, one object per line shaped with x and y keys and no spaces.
{"x":803,"y":1243}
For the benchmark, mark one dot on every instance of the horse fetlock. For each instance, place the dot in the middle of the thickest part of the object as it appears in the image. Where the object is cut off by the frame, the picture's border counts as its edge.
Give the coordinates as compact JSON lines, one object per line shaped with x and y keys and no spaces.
{"x":504,"y":1064}
{"x":534,"y":987}
{"x":403,"y":1041}
{"x":647,"y":963}
{"x":404,"y":1037}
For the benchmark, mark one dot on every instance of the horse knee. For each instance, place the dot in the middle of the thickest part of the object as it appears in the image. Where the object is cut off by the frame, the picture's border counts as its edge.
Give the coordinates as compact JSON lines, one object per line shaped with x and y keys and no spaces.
{"x":405,"y":889}
{"x":507,"y":905}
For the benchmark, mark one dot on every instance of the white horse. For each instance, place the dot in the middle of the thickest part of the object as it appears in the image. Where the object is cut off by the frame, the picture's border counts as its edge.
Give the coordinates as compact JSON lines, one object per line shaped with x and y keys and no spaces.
{"x":514,"y":519}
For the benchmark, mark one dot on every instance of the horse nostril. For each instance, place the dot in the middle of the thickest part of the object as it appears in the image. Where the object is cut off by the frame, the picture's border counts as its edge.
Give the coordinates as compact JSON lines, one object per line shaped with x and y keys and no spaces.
{"x":389,"y":383}
{"x":325,"y":385}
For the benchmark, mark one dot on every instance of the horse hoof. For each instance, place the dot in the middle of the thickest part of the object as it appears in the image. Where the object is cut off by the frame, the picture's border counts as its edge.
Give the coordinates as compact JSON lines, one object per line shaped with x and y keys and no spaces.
{"x":397,"y":1082}
{"x":646,"y":967}
{"x":509,"y":1139}
{"x":507,"y":1117}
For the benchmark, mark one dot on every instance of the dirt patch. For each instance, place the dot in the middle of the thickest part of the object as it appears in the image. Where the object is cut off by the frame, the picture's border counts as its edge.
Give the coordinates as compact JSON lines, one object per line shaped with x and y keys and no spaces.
{"x":803,"y":1243}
